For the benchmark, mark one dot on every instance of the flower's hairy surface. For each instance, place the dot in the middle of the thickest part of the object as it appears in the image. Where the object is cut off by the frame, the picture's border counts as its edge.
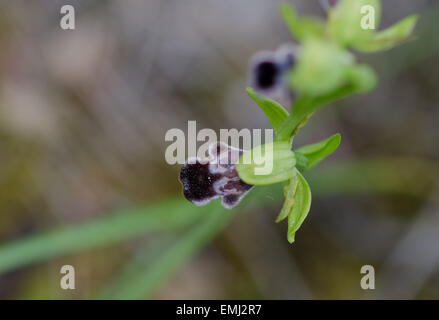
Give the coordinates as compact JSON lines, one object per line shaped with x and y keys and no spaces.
{"x":206,"y":179}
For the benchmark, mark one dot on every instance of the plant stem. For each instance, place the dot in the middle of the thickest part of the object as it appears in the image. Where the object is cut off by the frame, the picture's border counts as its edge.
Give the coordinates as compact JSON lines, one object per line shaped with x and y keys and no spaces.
{"x":305,"y":106}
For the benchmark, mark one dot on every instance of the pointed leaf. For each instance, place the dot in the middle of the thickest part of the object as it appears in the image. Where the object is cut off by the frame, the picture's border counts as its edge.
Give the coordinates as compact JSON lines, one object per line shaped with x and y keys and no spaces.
{"x":316,"y":152}
{"x":300,"y":207}
{"x":289,"y":192}
{"x":275,"y":113}
{"x":305,"y":106}
{"x":266,"y":164}
{"x":390,"y":37}
{"x":301,"y":28}
{"x":347,"y":19}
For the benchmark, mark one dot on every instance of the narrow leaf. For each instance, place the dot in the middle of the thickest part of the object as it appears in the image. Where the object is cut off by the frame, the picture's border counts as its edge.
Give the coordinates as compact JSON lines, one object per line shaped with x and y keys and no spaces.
{"x":267,"y":164}
{"x":316,"y":152}
{"x":300,"y":207}
{"x":275,"y":113}
{"x":146,"y":280}
{"x":112,"y":228}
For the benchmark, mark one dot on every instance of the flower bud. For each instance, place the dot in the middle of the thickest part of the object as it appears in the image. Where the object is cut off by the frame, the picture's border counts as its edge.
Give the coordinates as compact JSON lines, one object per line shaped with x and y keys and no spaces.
{"x":267,"y":69}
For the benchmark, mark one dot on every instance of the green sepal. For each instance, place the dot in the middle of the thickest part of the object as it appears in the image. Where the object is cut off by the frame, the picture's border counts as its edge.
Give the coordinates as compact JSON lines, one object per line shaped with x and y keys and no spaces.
{"x":301,"y":28}
{"x":320,"y":69}
{"x":390,"y":37}
{"x":300,"y":207}
{"x":362,"y":77}
{"x":289,"y":189}
{"x":345,"y":21}
{"x":267,"y":164}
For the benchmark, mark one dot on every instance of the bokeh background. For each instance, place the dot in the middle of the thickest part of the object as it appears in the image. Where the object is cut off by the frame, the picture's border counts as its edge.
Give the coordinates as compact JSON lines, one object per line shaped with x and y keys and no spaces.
{"x":84,"y":182}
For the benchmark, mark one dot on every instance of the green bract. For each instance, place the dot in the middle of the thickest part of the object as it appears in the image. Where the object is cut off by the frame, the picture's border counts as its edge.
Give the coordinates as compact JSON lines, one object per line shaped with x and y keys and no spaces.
{"x":349,"y":18}
{"x":274,"y":112}
{"x":390,"y":37}
{"x":296,"y":204}
{"x":314,"y":153}
{"x":321,"y":67}
{"x":266,"y":164}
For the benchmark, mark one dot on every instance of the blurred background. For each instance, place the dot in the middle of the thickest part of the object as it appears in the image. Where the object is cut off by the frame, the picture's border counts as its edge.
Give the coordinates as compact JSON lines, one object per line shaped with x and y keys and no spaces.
{"x":84,"y":182}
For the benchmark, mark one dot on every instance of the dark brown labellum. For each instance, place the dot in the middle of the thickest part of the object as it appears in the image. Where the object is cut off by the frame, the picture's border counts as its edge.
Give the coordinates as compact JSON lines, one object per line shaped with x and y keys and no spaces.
{"x":216,"y":176}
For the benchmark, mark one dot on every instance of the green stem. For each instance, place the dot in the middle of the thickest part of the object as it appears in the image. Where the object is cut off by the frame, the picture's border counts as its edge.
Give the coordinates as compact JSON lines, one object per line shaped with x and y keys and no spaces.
{"x":306,"y":106}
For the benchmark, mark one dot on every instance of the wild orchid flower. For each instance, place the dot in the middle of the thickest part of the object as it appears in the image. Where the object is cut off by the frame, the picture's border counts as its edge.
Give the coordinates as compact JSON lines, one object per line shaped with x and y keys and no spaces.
{"x":319,"y":70}
{"x":213,"y":177}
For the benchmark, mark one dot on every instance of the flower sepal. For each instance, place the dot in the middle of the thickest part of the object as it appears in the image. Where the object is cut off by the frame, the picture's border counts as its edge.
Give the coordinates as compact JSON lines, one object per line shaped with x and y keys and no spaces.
{"x":267,"y":164}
